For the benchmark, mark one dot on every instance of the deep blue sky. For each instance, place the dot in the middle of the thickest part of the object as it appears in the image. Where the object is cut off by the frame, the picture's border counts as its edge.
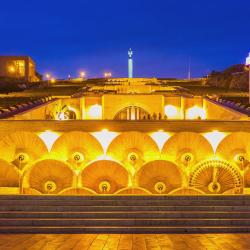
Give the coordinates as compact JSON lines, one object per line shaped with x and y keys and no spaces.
{"x":65,"y":36}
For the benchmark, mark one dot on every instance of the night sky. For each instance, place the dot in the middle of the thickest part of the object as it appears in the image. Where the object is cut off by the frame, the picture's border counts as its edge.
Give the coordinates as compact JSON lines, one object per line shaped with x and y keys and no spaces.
{"x":65,"y":37}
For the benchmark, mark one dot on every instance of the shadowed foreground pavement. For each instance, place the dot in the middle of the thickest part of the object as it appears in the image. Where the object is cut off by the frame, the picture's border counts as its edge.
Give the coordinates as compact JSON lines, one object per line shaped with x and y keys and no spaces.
{"x":123,"y":241}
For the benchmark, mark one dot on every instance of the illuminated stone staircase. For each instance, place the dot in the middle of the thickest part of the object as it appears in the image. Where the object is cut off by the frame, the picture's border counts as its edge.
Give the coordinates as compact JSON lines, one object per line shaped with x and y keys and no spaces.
{"x":124,"y":214}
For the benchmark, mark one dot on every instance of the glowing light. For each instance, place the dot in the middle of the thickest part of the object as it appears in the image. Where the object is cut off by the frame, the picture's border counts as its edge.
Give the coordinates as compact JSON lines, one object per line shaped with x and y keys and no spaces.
{"x":105,"y":137}
{"x":171,"y":112}
{"x":12,"y":69}
{"x":82,"y":74}
{"x":53,"y":80}
{"x":95,"y":112}
{"x":49,"y":137}
{"x":160,"y":138}
{"x":248,"y":60}
{"x":61,"y":116}
{"x":196,"y":113}
{"x":215,"y":138}
{"x":48,"y":76}
{"x":107,"y":74}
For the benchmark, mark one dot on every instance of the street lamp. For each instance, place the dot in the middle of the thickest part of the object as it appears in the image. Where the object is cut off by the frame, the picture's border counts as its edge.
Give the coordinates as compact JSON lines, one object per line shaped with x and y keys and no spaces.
{"x":48,"y":76}
{"x":248,"y":64}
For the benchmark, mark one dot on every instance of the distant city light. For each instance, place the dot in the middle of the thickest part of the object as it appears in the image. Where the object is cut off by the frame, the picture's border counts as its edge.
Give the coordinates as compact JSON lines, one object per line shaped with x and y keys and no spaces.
{"x":248,"y":60}
{"x":107,"y":74}
{"x":53,"y":80}
{"x":47,"y":76}
{"x":82,"y":74}
{"x":248,"y":64}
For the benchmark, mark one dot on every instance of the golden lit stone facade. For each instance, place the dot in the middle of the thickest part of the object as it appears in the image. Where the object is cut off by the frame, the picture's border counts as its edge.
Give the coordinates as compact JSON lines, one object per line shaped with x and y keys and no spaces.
{"x":126,"y":143}
{"x":18,"y":67}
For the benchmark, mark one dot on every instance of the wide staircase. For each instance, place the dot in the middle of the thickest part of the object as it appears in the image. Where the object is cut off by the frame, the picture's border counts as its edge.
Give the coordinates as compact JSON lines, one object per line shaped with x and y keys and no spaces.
{"x":124,"y":214}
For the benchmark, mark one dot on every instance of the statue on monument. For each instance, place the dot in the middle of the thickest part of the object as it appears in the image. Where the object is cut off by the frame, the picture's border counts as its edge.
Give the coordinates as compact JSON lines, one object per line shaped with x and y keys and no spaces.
{"x":130,"y":53}
{"x":130,"y":63}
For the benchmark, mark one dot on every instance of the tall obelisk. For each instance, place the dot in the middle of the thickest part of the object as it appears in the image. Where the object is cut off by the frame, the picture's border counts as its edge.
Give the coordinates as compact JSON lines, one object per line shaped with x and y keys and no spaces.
{"x":130,"y":63}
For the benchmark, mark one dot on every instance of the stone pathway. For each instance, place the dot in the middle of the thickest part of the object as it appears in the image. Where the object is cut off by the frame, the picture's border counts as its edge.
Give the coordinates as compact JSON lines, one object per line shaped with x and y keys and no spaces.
{"x":124,"y":241}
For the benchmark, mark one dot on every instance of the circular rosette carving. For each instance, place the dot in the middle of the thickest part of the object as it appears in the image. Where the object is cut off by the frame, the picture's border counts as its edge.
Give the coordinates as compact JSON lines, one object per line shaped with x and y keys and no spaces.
{"x":50,"y":176}
{"x":236,"y":148}
{"x":9,"y":175}
{"x":216,"y":177}
{"x":22,"y":148}
{"x":159,"y":177}
{"x":133,"y":149}
{"x":104,"y":177}
{"x":187,"y":148}
{"x":77,"y":147}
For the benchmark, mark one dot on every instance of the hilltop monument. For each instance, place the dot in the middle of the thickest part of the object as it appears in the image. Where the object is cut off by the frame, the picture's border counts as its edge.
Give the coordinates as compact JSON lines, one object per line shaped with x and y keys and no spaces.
{"x":130,"y":63}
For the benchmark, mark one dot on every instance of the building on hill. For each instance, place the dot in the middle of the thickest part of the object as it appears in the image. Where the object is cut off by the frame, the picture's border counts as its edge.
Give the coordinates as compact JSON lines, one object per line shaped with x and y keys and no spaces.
{"x":18,"y":67}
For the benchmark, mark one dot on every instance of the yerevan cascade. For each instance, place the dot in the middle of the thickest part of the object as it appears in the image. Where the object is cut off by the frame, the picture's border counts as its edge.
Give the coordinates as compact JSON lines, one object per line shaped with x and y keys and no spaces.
{"x":122,"y":155}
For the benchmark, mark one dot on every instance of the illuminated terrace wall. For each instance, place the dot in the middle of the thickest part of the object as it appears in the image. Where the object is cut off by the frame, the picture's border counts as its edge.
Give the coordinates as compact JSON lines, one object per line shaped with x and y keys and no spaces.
{"x":80,"y":157}
{"x":108,"y":106}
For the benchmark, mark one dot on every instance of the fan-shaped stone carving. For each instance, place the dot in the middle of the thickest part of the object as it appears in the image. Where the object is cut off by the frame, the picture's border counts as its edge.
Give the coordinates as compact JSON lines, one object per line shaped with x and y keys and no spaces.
{"x":9,"y":175}
{"x":77,"y":147}
{"x":235,"y":147}
{"x":50,"y":176}
{"x":105,"y":177}
{"x":187,"y":148}
{"x":159,"y":177}
{"x":77,"y":191}
{"x":22,"y":147}
{"x":186,"y":191}
{"x":216,"y":177}
{"x":133,"y":191}
{"x":133,"y":149}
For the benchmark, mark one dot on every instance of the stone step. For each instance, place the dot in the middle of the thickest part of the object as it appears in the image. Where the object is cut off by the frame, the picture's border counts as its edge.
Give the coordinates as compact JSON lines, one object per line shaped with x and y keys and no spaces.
{"x":123,"y":197}
{"x":128,"y":214}
{"x":125,"y":209}
{"x":123,"y":230}
{"x":125,"y":202}
{"x":124,"y":222}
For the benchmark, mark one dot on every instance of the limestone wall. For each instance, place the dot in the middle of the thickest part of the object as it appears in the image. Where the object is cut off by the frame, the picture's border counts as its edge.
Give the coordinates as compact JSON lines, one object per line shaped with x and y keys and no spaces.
{"x":216,"y":111}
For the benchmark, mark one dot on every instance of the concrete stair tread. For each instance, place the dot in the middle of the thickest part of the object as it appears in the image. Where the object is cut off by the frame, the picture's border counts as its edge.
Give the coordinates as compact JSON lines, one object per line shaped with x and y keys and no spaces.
{"x":232,"y":226}
{"x":115,"y":229}
{"x":124,"y":214}
{"x":121,"y":219}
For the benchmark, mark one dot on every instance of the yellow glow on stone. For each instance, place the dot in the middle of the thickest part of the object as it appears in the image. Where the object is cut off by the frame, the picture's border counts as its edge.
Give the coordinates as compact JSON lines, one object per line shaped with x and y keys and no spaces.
{"x":95,"y":112}
{"x":196,"y":113}
{"x":105,"y":137}
{"x":160,"y":138}
{"x":215,"y":138}
{"x":172,"y":112}
{"x":49,"y":137}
